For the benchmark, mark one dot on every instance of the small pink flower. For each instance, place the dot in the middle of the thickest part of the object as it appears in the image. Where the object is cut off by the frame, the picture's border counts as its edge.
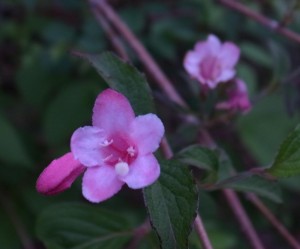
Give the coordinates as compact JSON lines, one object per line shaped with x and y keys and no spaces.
{"x":238,"y":99}
{"x":212,"y":62}
{"x":117,"y":149}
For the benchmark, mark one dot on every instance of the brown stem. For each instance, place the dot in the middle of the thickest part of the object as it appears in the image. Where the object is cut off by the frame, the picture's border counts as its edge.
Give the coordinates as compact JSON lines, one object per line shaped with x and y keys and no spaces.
{"x":138,"y":234}
{"x":166,"y":149}
{"x":145,"y":57}
{"x":243,"y":219}
{"x":199,"y":227}
{"x":233,"y":200}
{"x":274,"y":221}
{"x":269,"y":23}
{"x":167,"y":87}
{"x":115,"y":40}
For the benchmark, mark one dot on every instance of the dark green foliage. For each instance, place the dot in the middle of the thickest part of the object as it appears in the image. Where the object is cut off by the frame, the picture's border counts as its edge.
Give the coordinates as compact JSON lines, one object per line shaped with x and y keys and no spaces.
{"x":82,"y":226}
{"x":171,"y":203}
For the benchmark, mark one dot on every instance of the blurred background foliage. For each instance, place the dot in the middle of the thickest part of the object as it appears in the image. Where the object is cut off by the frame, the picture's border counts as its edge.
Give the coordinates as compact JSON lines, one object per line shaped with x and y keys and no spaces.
{"x":46,"y":93}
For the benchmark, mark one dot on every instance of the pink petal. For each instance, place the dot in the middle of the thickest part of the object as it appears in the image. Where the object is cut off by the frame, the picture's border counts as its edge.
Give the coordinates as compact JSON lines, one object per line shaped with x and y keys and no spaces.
{"x":212,"y":83}
{"x":100,"y":183}
{"x":241,"y":86}
{"x":226,"y":75}
{"x":86,"y":145}
{"x":59,"y":175}
{"x":142,"y":172}
{"x":112,"y":112}
{"x":191,"y":63}
{"x":213,"y":44}
{"x":229,"y":55}
{"x":146,"y":131}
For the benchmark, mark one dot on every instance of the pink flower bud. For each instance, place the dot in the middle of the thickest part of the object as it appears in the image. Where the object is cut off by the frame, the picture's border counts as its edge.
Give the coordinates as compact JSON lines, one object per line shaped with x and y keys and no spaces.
{"x":238,"y":99}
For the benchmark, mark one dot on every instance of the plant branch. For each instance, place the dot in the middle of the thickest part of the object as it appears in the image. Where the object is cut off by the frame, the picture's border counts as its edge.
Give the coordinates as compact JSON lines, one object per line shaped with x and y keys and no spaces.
{"x":138,"y":234}
{"x":273,"y":220}
{"x":199,"y":227}
{"x":167,"y":87}
{"x":242,"y":218}
{"x":114,"y":38}
{"x":145,"y":57}
{"x":141,"y":231}
{"x":269,"y":23}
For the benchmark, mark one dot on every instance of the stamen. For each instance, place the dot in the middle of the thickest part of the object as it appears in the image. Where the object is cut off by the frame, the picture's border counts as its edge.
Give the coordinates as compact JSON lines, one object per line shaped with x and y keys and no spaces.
{"x":107,"y":158}
{"x":131,"y":151}
{"x":122,"y":168}
{"x":106,"y":143}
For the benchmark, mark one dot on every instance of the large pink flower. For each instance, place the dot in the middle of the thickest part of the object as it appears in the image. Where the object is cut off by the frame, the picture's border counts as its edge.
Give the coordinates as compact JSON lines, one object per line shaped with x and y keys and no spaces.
{"x":117,"y":149}
{"x":238,"y":99}
{"x":212,"y":62}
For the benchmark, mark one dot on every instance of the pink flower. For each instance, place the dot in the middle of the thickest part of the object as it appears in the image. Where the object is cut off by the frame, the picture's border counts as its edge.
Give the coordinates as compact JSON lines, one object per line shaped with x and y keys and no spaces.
{"x":212,"y":62}
{"x":238,"y":99}
{"x":117,"y":149}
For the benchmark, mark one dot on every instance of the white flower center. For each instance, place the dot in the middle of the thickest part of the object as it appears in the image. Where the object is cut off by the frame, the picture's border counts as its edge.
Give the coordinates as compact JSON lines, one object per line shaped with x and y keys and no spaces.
{"x":122,"y":168}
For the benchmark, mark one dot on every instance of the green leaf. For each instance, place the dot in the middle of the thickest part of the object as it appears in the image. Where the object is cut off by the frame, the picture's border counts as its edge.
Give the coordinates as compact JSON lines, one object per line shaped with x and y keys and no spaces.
{"x":259,"y":132}
{"x":202,"y":158}
{"x":82,"y":226}
{"x":12,"y":150}
{"x":124,"y":78}
{"x":199,"y":157}
{"x":251,"y":182}
{"x":172,"y":204}
{"x":257,"y":54}
{"x":287,"y":161}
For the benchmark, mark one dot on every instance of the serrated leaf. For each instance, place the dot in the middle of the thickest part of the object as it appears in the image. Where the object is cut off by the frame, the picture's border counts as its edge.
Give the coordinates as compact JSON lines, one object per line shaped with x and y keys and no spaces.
{"x":199,"y":157}
{"x":12,"y":150}
{"x":124,"y":78}
{"x":82,"y":226}
{"x":251,"y":182}
{"x":287,"y":161}
{"x":172,"y":204}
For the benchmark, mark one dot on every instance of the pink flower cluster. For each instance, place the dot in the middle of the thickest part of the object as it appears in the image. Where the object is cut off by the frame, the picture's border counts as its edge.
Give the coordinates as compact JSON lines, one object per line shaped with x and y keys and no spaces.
{"x":117,"y":149}
{"x":212,"y":63}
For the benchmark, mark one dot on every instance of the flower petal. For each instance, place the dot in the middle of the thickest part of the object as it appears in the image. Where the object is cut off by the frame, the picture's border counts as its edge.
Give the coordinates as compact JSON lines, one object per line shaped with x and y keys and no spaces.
{"x":100,"y":183}
{"x":213,"y":44}
{"x":143,"y":172}
{"x":59,"y":175}
{"x":112,"y":112}
{"x":191,"y":63}
{"x":226,"y":75}
{"x":86,"y":145}
{"x":146,"y":131}
{"x":229,"y":55}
